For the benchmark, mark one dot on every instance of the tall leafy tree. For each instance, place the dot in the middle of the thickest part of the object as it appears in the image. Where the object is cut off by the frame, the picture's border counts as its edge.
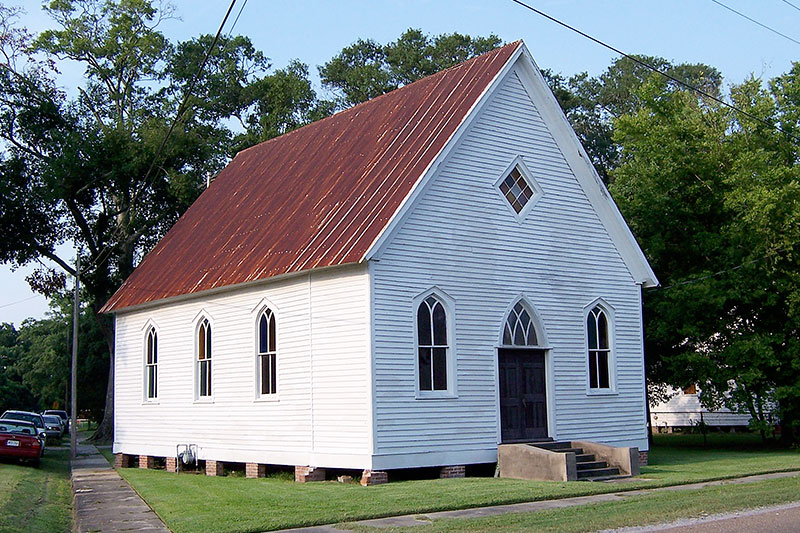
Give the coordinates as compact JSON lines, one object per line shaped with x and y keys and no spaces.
{"x":592,"y":103}
{"x":714,"y":200}
{"x":367,"y":69}
{"x":90,"y":168}
{"x":14,"y":394}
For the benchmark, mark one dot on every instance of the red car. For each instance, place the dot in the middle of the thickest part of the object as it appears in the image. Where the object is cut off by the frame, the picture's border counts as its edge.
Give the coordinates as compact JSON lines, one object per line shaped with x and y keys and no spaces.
{"x":18,"y":440}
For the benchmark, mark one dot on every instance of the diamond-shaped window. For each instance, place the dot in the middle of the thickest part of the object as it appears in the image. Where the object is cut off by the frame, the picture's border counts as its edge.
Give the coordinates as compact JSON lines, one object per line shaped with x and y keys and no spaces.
{"x":518,"y":188}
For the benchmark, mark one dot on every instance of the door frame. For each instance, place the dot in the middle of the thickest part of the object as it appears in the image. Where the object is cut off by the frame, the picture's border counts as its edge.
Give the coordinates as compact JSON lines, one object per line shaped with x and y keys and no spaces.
{"x":544,"y":346}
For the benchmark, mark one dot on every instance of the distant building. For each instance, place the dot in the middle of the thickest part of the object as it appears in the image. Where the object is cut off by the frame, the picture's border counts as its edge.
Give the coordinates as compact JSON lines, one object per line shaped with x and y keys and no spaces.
{"x":683,"y":410}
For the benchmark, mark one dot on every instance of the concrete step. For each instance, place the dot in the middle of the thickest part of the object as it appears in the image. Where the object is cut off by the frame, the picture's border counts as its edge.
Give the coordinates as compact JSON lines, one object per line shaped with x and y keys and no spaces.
{"x":576,"y":451}
{"x":551,"y":445}
{"x":590,"y":465}
{"x":598,"y":472}
{"x":584,"y":457}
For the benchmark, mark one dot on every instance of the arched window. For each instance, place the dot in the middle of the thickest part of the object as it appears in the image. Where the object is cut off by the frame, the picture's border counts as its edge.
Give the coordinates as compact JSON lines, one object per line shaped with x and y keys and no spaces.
{"x":599,"y":348}
{"x":267,"y":354}
{"x":151,"y":364}
{"x":432,"y":345}
{"x":519,"y":329}
{"x":204,"y":359}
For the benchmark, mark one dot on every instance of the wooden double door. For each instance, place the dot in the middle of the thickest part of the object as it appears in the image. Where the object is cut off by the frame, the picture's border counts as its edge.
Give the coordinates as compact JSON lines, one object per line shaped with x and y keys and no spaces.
{"x":523,"y":395}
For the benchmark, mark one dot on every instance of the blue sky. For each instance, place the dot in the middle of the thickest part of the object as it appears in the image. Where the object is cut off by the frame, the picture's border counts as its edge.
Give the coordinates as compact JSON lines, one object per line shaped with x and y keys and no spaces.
{"x":314,"y":31}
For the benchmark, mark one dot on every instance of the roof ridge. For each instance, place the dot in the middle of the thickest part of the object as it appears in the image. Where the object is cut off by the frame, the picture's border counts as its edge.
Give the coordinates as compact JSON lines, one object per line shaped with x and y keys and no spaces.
{"x":378,"y":98}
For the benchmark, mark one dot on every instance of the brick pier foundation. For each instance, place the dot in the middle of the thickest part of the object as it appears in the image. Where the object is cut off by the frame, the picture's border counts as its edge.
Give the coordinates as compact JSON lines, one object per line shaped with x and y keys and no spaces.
{"x":452,"y":471}
{"x":123,"y":460}
{"x":374,"y":477}
{"x":305,"y":474}
{"x":254,"y":470}
{"x":214,"y":468}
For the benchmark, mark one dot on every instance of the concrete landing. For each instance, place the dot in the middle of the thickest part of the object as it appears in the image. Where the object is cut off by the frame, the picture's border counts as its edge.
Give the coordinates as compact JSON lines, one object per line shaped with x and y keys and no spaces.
{"x":103,"y":501}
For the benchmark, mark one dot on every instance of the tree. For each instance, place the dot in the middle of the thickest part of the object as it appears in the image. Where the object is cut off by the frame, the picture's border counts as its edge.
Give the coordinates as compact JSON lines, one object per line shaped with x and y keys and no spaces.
{"x":91,"y":169}
{"x":592,"y":103}
{"x":714,"y":200}
{"x":236,"y":86}
{"x":367,"y":69}
{"x":13,"y":392}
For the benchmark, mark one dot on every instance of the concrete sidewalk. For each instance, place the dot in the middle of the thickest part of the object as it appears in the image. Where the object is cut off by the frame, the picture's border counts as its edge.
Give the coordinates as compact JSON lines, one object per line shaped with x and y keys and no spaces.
{"x":420,"y":519}
{"x":103,"y":501}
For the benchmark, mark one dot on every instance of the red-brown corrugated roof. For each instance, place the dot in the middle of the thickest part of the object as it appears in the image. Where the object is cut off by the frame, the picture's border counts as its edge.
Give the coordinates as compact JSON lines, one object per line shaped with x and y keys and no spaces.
{"x":315,"y":197}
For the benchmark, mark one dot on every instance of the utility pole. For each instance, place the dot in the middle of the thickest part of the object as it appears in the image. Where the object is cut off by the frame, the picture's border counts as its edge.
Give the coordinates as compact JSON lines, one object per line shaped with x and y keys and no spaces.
{"x":73,"y":424}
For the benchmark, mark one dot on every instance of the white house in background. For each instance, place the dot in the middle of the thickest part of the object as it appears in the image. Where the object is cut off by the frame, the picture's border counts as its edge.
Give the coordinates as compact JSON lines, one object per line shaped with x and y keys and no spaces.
{"x":407,"y":283}
{"x":683,"y":410}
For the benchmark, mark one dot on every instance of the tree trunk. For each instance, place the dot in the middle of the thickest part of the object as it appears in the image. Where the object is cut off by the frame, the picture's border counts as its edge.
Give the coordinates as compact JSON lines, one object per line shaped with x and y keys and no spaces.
{"x":105,"y":431}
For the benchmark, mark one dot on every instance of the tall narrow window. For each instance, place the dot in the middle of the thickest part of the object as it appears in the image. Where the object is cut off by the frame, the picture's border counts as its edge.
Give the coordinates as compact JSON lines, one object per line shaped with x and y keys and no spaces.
{"x":599,"y":349}
{"x":204,"y":359}
{"x":432,"y":345}
{"x":151,"y":364}
{"x":267,"y":355}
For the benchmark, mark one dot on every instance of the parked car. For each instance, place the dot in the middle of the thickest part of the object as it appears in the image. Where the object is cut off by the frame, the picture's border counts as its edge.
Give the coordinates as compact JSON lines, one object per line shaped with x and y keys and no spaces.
{"x":53,"y":426}
{"x":19,"y":439}
{"x":36,"y":418}
{"x":63,"y":416}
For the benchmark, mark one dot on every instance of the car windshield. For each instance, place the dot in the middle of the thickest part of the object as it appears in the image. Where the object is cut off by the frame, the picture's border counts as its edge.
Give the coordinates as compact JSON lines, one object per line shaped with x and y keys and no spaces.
{"x":51,"y":419}
{"x":30,"y":417}
{"x":61,"y":414}
{"x":16,"y":428}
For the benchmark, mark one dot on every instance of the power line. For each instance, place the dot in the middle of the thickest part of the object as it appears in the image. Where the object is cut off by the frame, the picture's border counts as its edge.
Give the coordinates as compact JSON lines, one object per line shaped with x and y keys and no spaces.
{"x":715,"y":274}
{"x":659,"y":71}
{"x":791,"y":4}
{"x":19,"y":301}
{"x":188,"y":92}
{"x":754,"y":21}
{"x":181,"y":109}
{"x":237,"y":18}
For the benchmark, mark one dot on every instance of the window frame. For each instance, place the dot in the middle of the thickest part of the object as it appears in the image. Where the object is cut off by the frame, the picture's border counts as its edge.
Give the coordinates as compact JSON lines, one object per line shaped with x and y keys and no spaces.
{"x":448,"y":304}
{"x":150,"y":330}
{"x":259,"y":396}
{"x":203,"y":319}
{"x":536,"y":189}
{"x":608,"y":311}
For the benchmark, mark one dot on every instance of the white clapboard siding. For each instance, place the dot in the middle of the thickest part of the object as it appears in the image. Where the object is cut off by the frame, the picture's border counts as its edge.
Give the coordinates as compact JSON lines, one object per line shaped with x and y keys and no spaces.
{"x":461,"y":237}
{"x":321,"y":414}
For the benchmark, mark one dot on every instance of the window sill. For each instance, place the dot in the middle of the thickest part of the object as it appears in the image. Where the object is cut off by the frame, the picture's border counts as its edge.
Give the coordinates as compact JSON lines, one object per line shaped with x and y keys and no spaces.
{"x":203,"y":400}
{"x":150,"y":402}
{"x":267,"y":398}
{"x":601,"y":392}
{"x":443,"y":395}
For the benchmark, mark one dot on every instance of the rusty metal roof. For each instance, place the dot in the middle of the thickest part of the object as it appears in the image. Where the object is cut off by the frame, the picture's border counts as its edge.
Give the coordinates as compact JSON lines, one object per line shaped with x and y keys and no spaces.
{"x":315,"y":197}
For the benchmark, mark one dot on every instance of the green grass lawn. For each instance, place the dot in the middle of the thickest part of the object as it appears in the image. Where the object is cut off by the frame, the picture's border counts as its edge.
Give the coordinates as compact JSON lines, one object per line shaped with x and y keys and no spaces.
{"x":36,"y":499}
{"x":189,"y":503}
{"x":641,"y":510}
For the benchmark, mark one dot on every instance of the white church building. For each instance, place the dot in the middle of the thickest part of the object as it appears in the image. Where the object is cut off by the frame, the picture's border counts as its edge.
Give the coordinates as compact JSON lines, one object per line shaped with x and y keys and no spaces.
{"x":408,"y":283}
